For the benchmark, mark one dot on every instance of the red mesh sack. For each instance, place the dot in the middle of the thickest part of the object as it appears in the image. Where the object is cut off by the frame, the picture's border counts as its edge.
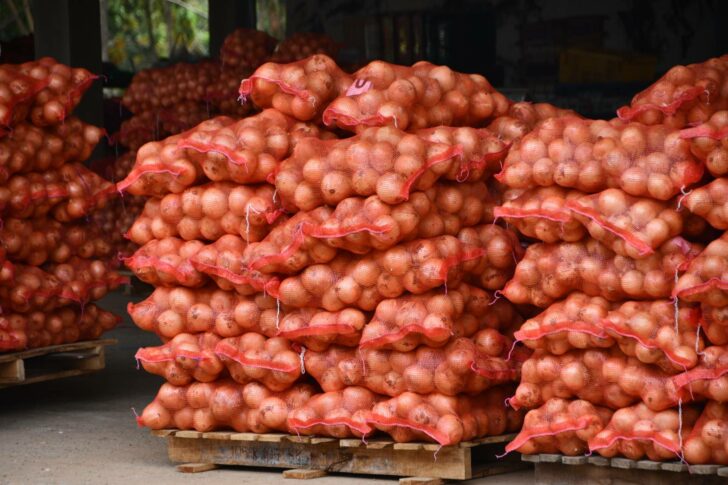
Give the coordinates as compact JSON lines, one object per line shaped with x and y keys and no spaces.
{"x":208,"y":212}
{"x":637,"y":432}
{"x":359,"y":224}
{"x":541,"y":213}
{"x":69,"y":324}
{"x":340,"y":414}
{"x":709,"y":143}
{"x":459,"y":367}
{"x":446,"y":420}
{"x":560,"y":426}
{"x":684,"y":95}
{"x":483,"y":152}
{"x":248,"y":150}
{"x":17,"y":92}
{"x":435,"y":317}
{"x":502,"y":251}
{"x":64,"y":89}
{"x":169,"y":312}
{"x":629,"y":226}
{"x":246,"y":47}
{"x":223,"y":262}
{"x":252,"y":357}
{"x":166,"y":262}
{"x":646,"y":330}
{"x":421,"y":96}
{"x":318,"y":329}
{"x":708,"y":380}
{"x":30,"y":149}
{"x":84,"y":280}
{"x":594,"y":155}
{"x":68,"y":192}
{"x":714,"y":322}
{"x":35,"y":241}
{"x":383,"y":161}
{"x":364,"y":281}
{"x":183,"y":359}
{"x":706,"y":278}
{"x":162,"y":167}
{"x":522,"y":117}
{"x":710,"y":202}
{"x":300,"y":89}
{"x":604,"y":377}
{"x":288,"y":248}
{"x":77,"y":281}
{"x":301,"y":45}
{"x":224,"y":404}
{"x":708,"y":441}
{"x":550,"y":271}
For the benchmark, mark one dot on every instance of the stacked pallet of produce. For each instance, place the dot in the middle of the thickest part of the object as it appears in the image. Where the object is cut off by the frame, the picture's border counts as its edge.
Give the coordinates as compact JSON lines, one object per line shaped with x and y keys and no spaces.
{"x":629,"y":345}
{"x":340,"y":286}
{"x":53,"y":262}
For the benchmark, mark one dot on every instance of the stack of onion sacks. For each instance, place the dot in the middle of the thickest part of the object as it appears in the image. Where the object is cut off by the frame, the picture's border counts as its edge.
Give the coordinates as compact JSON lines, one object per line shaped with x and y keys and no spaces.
{"x":299,"y":250}
{"x":626,"y":273}
{"x":53,"y":261}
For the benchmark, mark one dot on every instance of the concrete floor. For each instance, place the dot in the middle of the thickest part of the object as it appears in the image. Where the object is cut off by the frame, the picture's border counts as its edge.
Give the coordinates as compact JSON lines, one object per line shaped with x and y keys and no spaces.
{"x":82,"y":430}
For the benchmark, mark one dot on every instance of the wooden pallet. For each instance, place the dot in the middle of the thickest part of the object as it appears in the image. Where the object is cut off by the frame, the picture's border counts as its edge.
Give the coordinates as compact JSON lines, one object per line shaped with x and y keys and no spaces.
{"x":54,"y":362}
{"x":311,"y":457}
{"x":597,"y":469}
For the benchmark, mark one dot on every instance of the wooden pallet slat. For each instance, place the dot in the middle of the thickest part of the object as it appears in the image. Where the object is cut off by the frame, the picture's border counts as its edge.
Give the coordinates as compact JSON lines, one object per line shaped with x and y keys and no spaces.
{"x":53,"y":362}
{"x":303,"y":473}
{"x":309,"y":456}
{"x":596,"y":469}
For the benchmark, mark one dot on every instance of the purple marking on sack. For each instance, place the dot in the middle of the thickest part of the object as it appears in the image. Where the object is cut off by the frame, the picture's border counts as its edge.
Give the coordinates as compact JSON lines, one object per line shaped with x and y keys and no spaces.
{"x":359,"y":86}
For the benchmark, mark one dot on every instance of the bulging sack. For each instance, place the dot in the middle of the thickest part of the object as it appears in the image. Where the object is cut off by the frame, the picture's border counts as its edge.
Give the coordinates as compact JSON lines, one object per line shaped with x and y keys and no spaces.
{"x":169,"y":312}
{"x":252,"y":357}
{"x":63,"y":89}
{"x":542,"y":213}
{"x":707,"y":441}
{"x":340,"y":414}
{"x":461,"y":366}
{"x":435,"y":317}
{"x":364,"y":281}
{"x":446,"y":420}
{"x":302,"y":89}
{"x":709,"y":143}
{"x":359,"y":224}
{"x":549,"y":272}
{"x":224,"y":404}
{"x":560,"y":426}
{"x":685,"y":95}
{"x":410,"y":98}
{"x":706,"y":278}
{"x":637,"y":432}
{"x":652,"y":331}
{"x":595,"y":155}
{"x":42,"y":328}
{"x":184,"y":359}
{"x":383,"y":161}
{"x":208,"y":212}
{"x":167,"y":262}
